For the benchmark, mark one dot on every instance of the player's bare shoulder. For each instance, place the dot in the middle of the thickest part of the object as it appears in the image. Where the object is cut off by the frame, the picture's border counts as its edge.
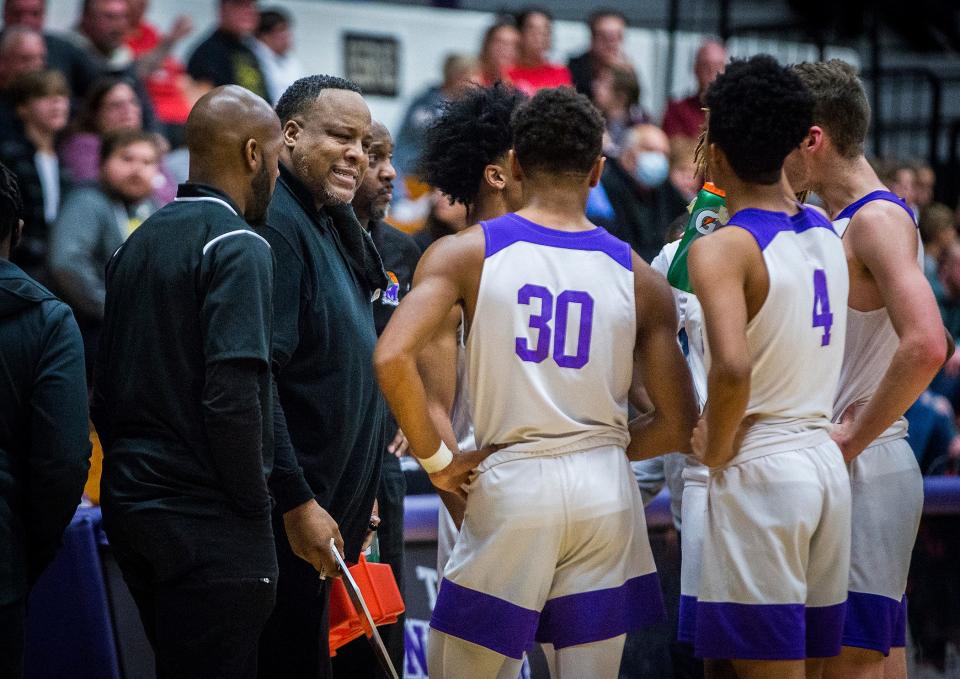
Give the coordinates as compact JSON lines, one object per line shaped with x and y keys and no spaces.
{"x":454,"y":255}
{"x":879,"y":240}
{"x":881,"y":224}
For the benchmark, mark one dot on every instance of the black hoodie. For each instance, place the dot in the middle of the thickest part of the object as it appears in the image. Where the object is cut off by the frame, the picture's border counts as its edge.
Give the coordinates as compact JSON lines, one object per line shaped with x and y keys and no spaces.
{"x":44,"y":435}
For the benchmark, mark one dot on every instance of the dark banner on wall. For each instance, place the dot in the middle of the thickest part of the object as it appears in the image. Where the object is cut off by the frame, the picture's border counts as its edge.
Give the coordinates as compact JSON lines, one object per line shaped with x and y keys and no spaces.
{"x":373,"y":62}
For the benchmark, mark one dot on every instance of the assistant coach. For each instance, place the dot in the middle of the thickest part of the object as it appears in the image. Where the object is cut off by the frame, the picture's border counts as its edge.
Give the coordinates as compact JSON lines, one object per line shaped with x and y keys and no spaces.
{"x":183,"y":405}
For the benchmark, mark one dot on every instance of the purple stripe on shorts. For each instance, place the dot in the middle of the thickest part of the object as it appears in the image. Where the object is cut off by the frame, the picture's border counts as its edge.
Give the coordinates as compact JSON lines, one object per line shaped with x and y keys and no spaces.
{"x":900,"y":628}
{"x":750,"y":631}
{"x":586,"y":617}
{"x":874,"y":622}
{"x":484,"y":619}
{"x":824,"y":630}
{"x":687,"y":623}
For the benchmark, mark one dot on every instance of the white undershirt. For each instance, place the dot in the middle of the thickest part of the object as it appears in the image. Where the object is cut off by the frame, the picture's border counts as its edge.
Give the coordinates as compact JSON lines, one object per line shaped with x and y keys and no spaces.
{"x":48,"y":169}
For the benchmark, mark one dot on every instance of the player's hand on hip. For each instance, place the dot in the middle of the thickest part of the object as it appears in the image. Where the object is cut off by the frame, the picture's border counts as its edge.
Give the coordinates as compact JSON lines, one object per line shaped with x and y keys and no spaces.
{"x":455,"y":476}
{"x":399,"y":445}
{"x":842,"y":431}
{"x":309,"y":530}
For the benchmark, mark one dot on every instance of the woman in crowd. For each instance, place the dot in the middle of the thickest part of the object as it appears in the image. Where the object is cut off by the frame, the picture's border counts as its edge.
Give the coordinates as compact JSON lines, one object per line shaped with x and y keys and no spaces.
{"x":110,"y":106}
{"x":498,"y":52}
{"x":42,"y":105}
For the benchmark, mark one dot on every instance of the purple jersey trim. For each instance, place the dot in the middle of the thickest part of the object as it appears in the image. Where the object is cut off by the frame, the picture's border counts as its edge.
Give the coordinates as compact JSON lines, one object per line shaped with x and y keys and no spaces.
{"x":764,"y":225}
{"x":875,"y":622}
{"x":687,"y":620}
{"x":849,"y":211}
{"x":602,"y":614}
{"x":767,"y":631}
{"x":502,"y":232}
{"x":484,"y":619}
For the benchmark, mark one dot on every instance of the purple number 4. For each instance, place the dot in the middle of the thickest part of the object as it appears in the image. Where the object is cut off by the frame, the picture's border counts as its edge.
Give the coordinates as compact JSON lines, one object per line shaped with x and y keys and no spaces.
{"x":822,"y":318}
{"x":541,"y":323}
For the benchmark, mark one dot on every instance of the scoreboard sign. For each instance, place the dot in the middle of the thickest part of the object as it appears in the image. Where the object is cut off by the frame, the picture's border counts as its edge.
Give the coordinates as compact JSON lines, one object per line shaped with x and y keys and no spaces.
{"x":373,"y":62}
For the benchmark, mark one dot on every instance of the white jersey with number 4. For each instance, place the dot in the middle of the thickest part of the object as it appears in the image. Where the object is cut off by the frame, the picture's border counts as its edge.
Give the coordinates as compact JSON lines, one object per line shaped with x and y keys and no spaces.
{"x":550,"y":348}
{"x":796,"y":339}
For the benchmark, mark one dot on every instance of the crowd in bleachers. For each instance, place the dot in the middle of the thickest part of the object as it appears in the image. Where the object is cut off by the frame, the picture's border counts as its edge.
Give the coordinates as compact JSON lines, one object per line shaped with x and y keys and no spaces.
{"x":91,"y":122}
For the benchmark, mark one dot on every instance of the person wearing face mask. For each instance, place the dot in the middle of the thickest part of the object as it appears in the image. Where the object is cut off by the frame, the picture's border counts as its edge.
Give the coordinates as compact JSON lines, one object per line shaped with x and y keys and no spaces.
{"x":95,"y":220}
{"x":643,"y":201}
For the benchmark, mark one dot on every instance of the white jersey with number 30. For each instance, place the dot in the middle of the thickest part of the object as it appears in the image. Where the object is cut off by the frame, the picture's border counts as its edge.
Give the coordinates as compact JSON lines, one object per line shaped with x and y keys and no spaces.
{"x":550,"y":348}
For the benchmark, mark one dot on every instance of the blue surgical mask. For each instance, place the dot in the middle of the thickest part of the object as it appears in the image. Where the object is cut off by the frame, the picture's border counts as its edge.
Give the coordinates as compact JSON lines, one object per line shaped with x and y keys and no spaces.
{"x":652,"y":168}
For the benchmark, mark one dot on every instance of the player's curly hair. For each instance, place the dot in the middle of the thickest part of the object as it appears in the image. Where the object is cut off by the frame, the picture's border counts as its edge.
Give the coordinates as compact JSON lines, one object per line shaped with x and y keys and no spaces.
{"x":759,"y":112}
{"x":470,"y":133}
{"x":558,"y":130}
{"x":11,"y":204}
{"x":306,"y":90}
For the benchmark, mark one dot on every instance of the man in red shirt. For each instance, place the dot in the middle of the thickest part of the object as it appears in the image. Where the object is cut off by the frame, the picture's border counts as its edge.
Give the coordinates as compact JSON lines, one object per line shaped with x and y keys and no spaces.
{"x":165,"y":75}
{"x":534,"y":72}
{"x":684,"y":117}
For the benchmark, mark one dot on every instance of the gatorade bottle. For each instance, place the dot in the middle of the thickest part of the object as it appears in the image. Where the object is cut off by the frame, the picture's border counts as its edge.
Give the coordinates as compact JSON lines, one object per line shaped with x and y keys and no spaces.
{"x":705,"y":216}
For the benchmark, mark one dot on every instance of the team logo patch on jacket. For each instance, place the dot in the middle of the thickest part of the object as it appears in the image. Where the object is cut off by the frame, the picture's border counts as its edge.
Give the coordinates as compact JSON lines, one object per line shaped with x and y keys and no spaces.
{"x":391,"y":295}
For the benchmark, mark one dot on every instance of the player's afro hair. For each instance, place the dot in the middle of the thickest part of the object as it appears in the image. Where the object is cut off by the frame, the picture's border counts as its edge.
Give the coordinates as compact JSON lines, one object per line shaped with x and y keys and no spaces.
{"x":305,"y":91}
{"x":471,"y":133}
{"x":759,"y":112}
{"x":558,"y":131}
{"x":11,"y":204}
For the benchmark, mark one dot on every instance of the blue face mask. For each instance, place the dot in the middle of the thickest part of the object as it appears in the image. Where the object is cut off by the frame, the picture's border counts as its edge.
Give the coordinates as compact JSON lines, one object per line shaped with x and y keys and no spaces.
{"x":652,"y":168}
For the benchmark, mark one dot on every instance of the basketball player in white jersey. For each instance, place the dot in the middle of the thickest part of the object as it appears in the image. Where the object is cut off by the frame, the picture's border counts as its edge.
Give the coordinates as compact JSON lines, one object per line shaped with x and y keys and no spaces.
{"x":563,"y":320}
{"x":773,"y":287}
{"x":694,"y":474}
{"x":465,"y":156}
{"x":895,"y":345}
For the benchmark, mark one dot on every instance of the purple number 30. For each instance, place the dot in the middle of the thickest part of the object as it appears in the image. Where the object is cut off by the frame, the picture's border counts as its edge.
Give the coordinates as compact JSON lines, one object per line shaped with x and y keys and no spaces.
{"x":541,"y":323}
{"x":822,"y":318}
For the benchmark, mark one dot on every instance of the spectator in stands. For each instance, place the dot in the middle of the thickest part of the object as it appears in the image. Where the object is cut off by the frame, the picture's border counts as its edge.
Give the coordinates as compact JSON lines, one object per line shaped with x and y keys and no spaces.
{"x":616,"y":92}
{"x":933,"y":432}
{"x":22,"y":50}
{"x":643,"y":200}
{"x":534,"y":70}
{"x":96,"y":219}
{"x":901,"y":178}
{"x":684,"y":117}
{"x":110,"y":106}
{"x":607,"y":27}
{"x":683,"y":167}
{"x":938,"y":233}
{"x":926,"y":183}
{"x":499,"y":50}
{"x":445,"y":218}
{"x":62,"y":54}
{"x":949,"y":300}
{"x":459,"y":72}
{"x":43,"y":429}
{"x":101,"y":32}
{"x":42,"y":104}
{"x":227,"y":56}
{"x":274,"y":49}
{"x":164,"y":76}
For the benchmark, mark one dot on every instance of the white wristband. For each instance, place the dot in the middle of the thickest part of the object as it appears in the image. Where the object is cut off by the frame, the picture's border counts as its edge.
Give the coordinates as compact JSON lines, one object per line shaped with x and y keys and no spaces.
{"x":438,"y":461}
